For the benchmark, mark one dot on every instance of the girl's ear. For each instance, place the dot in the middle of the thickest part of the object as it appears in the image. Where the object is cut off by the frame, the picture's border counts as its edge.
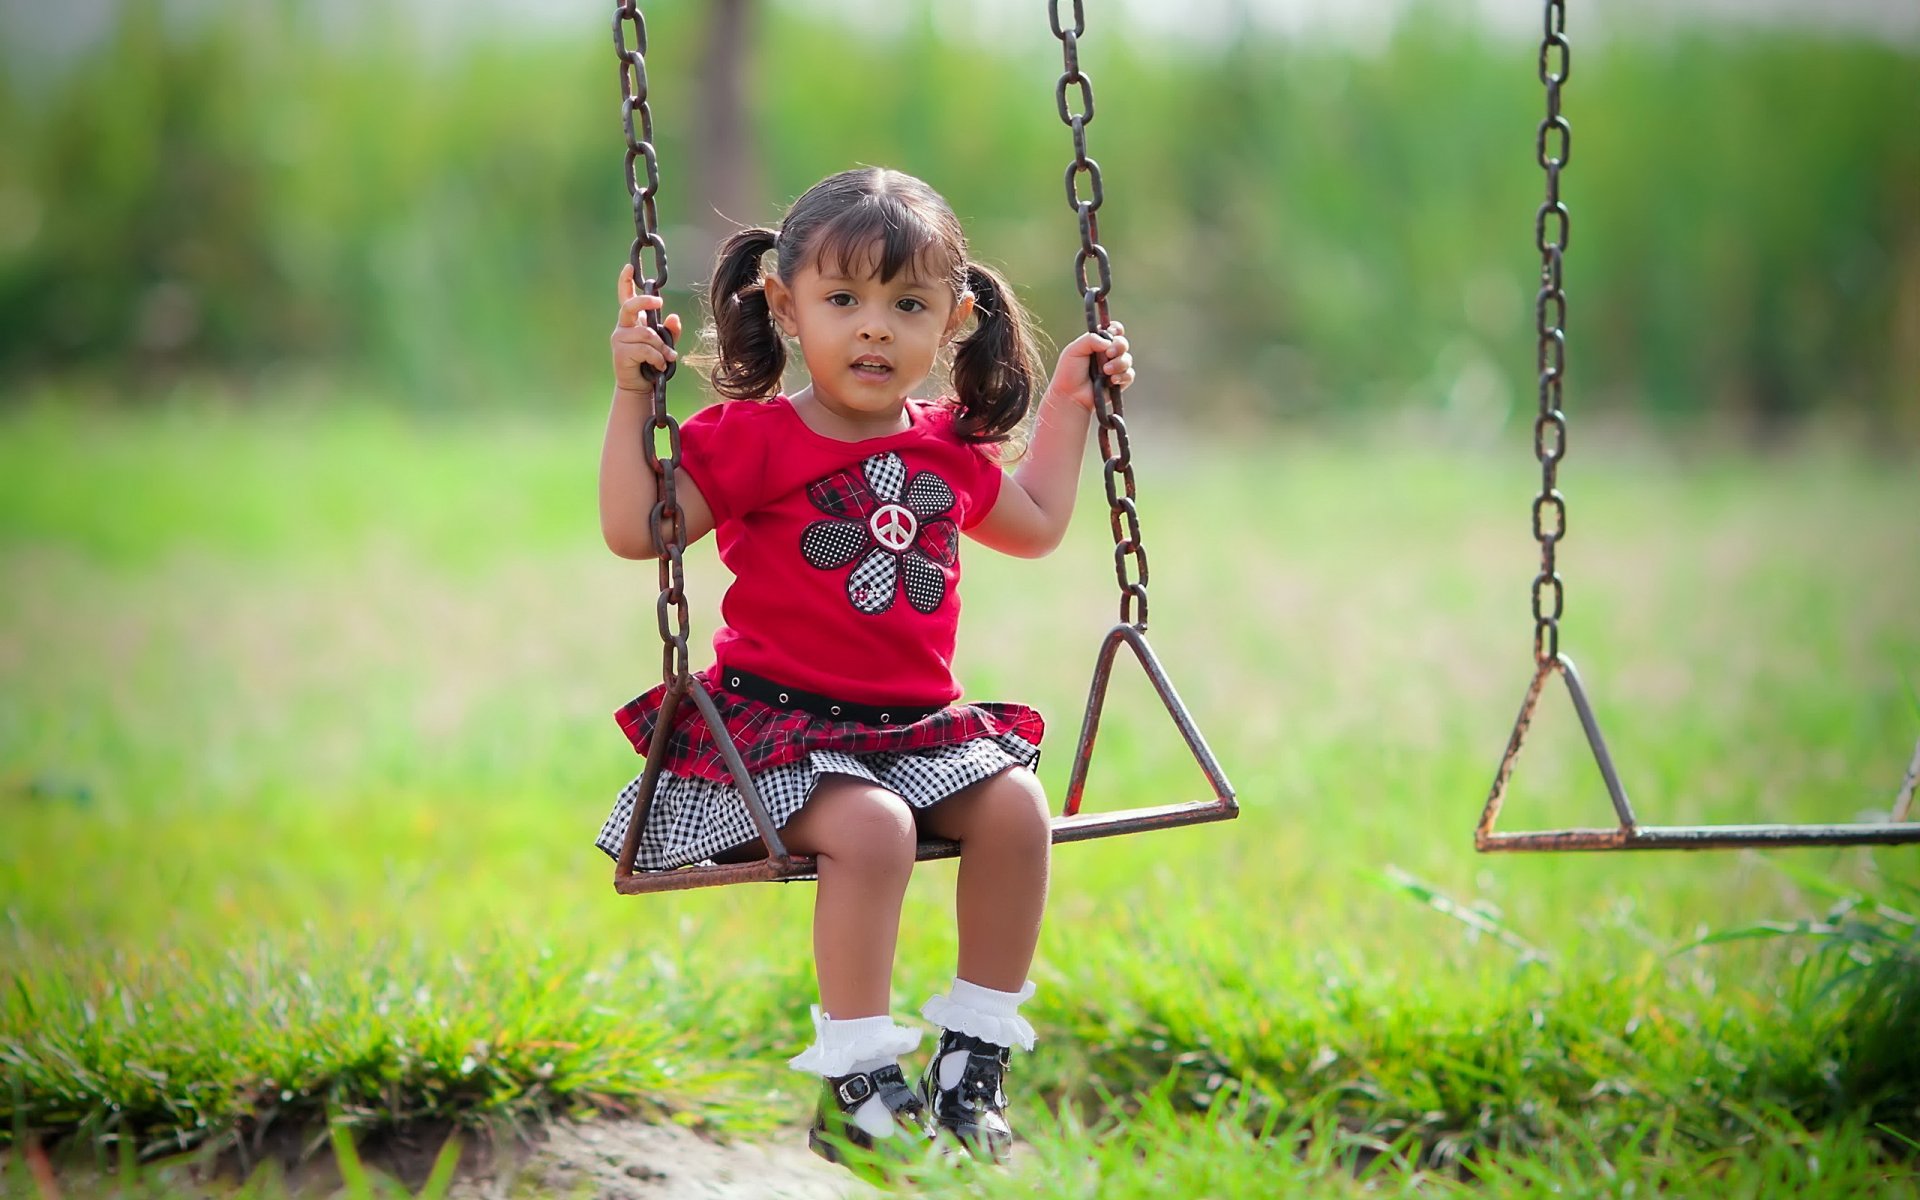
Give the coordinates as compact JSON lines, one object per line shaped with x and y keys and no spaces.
{"x":779,"y":302}
{"x":961,"y":312}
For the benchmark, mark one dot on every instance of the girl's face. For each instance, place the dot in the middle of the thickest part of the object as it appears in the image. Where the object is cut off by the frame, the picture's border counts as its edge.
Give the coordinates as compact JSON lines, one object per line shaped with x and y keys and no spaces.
{"x":867,"y":343}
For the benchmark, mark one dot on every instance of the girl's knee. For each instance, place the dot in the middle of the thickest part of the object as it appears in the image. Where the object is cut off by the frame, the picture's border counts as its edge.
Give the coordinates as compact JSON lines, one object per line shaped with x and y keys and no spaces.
{"x":1013,"y":810}
{"x":866,"y":828}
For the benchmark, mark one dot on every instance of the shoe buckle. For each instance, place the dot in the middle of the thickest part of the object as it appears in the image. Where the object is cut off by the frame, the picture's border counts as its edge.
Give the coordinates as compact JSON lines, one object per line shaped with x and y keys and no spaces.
{"x":853,"y":1090}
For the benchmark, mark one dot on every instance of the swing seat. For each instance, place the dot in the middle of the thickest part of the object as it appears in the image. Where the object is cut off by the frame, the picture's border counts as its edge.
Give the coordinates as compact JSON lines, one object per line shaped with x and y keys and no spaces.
{"x":1071,"y":825}
{"x":800,"y":868}
{"x":1552,"y":144}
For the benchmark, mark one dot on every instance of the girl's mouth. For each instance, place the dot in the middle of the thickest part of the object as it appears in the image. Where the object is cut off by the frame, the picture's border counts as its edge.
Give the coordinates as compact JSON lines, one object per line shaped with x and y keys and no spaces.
{"x":871,"y":368}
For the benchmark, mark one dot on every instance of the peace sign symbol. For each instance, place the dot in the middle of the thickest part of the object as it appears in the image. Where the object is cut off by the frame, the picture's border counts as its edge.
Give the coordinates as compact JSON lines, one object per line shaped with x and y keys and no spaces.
{"x":894,"y":527}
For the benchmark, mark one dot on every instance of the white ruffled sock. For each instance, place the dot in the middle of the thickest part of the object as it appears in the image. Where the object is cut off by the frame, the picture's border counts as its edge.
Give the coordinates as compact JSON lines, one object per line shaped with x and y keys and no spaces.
{"x":860,"y":1044}
{"x":979,"y":1012}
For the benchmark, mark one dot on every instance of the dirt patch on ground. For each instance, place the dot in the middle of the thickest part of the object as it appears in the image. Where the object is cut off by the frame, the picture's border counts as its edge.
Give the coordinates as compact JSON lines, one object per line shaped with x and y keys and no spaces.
{"x":610,"y":1159}
{"x":635,"y":1160}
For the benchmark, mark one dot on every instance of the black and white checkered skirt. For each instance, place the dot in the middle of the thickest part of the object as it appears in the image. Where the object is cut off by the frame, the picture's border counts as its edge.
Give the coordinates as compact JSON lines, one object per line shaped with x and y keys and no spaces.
{"x":692,"y":819}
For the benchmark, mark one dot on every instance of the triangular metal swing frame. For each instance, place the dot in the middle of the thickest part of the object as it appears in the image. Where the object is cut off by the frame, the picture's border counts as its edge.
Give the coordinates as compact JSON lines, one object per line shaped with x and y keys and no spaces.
{"x":1629,"y":834}
{"x":1072,"y":825}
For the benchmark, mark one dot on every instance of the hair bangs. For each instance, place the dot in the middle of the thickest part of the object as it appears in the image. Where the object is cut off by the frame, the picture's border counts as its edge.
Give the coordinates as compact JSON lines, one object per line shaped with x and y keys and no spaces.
{"x":884,"y":235}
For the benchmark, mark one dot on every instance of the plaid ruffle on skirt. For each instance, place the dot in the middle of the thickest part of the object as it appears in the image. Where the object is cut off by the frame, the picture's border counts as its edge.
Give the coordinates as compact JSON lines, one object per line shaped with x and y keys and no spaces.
{"x":697,"y":812}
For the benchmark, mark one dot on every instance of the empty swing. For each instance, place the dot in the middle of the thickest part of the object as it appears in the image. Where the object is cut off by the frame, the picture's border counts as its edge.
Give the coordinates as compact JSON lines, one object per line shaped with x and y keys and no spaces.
{"x":1552,"y":144}
{"x":669,"y":528}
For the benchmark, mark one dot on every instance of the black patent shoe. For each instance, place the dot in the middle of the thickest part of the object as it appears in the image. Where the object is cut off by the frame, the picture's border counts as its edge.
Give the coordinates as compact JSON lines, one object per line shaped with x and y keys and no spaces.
{"x":974,"y":1110}
{"x":834,"y":1130}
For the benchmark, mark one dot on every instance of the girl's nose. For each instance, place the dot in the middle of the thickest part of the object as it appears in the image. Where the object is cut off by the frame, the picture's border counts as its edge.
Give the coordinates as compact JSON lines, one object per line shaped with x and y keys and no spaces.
{"x":875,"y":333}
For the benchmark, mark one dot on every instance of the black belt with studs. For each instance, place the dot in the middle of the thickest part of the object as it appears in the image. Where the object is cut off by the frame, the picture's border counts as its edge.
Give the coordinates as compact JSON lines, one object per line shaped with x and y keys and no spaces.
{"x":779,"y":695}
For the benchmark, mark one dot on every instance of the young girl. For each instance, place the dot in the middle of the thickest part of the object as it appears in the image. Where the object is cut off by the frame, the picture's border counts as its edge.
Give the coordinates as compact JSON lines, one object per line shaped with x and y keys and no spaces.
{"x":838,"y":509}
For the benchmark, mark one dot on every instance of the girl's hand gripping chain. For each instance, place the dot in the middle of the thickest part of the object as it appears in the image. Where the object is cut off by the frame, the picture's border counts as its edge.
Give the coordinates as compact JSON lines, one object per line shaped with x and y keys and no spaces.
{"x":1030,"y":518}
{"x":636,"y":344}
{"x":1072,"y":378}
{"x":627,"y":486}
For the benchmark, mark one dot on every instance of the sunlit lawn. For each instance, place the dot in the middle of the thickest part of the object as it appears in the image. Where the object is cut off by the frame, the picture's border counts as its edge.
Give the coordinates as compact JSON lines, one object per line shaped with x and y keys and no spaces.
{"x":305,"y":734}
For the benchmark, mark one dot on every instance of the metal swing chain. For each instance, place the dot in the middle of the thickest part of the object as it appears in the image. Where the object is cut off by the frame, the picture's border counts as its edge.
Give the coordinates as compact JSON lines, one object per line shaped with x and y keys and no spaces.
{"x":1550,"y":320}
{"x":666,"y":520}
{"x":1129,"y":551}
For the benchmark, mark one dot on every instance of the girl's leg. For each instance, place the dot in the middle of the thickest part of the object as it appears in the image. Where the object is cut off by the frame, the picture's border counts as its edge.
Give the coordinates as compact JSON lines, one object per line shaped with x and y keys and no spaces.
{"x":863,"y":836}
{"x":1006,"y":847}
{"x":865,"y":839}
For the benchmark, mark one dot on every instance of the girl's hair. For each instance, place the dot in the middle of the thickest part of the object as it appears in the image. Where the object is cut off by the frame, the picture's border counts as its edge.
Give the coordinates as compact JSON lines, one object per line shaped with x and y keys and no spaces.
{"x":866,"y":219}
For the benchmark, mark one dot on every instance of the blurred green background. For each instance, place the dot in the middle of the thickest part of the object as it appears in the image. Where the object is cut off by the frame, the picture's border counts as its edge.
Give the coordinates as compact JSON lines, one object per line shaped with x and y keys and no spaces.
{"x":1316,"y":210}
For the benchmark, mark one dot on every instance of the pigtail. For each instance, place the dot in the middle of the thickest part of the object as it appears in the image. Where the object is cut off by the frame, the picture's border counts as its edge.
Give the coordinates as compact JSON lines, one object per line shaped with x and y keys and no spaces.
{"x":750,"y":356}
{"x":995,"y":368}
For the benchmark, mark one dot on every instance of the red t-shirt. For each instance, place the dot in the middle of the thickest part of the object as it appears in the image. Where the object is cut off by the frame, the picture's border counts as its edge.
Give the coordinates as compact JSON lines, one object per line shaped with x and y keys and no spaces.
{"x":845,"y":555}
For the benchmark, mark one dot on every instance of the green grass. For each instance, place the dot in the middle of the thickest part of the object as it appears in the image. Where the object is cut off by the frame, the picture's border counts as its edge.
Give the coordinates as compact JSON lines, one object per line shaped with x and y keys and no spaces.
{"x":305,"y":733}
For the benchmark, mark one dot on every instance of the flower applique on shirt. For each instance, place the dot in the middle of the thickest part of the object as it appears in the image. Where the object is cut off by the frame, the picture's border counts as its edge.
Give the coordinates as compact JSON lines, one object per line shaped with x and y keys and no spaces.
{"x":896,"y":529}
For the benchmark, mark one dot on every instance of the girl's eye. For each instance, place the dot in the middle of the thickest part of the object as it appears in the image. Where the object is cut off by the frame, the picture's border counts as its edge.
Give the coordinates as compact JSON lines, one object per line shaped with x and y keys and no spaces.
{"x":840,"y":300}
{"x":909,"y":304}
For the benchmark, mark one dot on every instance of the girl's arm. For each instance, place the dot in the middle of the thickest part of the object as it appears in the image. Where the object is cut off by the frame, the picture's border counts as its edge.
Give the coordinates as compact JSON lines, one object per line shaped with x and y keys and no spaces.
{"x":1036,"y":501}
{"x":627,"y":486}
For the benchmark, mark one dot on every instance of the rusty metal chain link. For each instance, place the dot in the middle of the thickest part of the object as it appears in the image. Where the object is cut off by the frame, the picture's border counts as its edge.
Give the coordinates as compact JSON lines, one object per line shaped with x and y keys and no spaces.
{"x":1551,"y":228}
{"x":667,"y":520}
{"x":1129,"y":551}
